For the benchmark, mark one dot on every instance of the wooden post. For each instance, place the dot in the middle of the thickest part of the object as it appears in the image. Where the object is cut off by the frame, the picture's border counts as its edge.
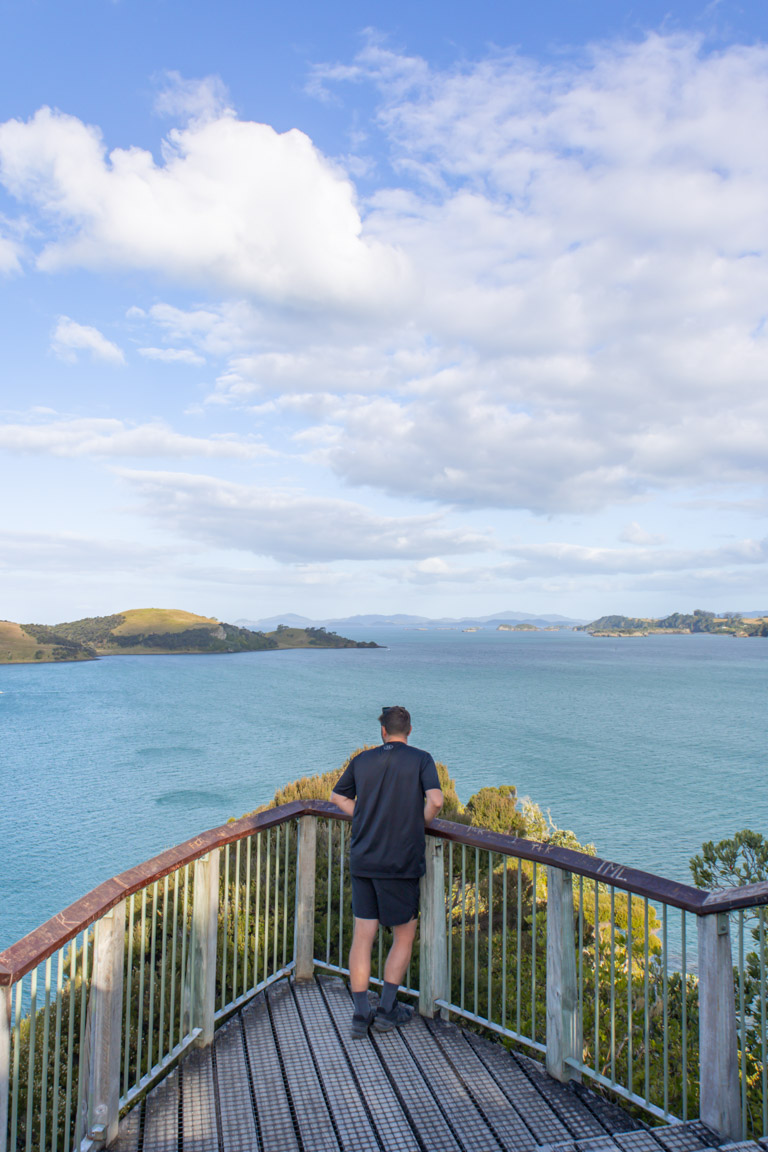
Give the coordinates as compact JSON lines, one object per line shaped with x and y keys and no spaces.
{"x":564,"y":1037}
{"x":5,"y":1063}
{"x":433,"y":932}
{"x":106,"y":1012}
{"x":720,"y":1106}
{"x":201,"y":975}
{"x":304,"y":932}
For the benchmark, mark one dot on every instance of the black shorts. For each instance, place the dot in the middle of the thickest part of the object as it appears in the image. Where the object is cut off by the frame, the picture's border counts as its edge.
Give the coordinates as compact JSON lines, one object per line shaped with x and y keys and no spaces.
{"x":390,"y":900}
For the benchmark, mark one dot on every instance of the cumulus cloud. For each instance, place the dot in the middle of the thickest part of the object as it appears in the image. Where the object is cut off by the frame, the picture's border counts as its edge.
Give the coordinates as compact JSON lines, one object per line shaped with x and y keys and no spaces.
{"x":569,"y":266}
{"x":232,"y":202}
{"x":593,"y":256}
{"x":109,"y":437}
{"x":291,"y":526}
{"x":69,"y":338}
{"x":473,"y":450}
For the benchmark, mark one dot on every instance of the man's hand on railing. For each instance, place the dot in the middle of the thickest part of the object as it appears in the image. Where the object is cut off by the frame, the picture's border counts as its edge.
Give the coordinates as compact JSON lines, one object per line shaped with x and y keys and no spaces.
{"x":346,"y":804}
{"x":432,"y":804}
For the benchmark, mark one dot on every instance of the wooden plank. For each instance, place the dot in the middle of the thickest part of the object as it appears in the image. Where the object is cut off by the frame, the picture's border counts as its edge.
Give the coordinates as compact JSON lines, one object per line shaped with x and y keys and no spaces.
{"x":312,"y":1116}
{"x":433,"y":955}
{"x":161,"y":1117}
{"x":469,"y":1125}
{"x":638,"y":1141}
{"x":352,"y":1120}
{"x":580,"y":1121}
{"x":720,"y":1105}
{"x":543,"y":1121}
{"x":563,"y":1022}
{"x":128,"y":1133}
{"x":238,"y":1124}
{"x":691,"y":1137}
{"x":105,"y":1007}
{"x":497,"y":1109}
{"x":305,"y":899}
{"x":613,"y":1118}
{"x":435,"y":1132}
{"x":198,"y":1103}
{"x":389,"y":1119}
{"x":273,"y":1107}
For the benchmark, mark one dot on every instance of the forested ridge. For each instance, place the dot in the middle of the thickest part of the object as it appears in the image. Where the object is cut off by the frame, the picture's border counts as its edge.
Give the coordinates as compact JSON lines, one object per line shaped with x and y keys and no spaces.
{"x":678,"y":622}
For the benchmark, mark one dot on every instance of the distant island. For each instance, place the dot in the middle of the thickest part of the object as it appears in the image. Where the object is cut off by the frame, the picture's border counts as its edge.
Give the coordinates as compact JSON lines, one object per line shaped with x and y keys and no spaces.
{"x":148,"y":632}
{"x":730,"y":624}
{"x":530,"y":628}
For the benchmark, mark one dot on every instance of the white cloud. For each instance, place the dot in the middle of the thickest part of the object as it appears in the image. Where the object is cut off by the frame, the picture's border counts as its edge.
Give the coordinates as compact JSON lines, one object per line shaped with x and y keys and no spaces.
{"x":291,"y":526}
{"x":71,"y":552}
{"x":582,"y":318}
{"x":634,"y":533}
{"x":10,"y":256}
{"x":69,"y":338}
{"x":108,"y":437}
{"x":575,"y":562}
{"x":574,"y":559}
{"x":173,"y":355}
{"x":205,"y":99}
{"x":232,"y":202}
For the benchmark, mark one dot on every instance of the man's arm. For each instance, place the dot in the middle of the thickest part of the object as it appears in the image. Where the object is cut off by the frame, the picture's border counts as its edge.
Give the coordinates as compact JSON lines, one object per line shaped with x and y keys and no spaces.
{"x":432,"y":805}
{"x":346,"y":803}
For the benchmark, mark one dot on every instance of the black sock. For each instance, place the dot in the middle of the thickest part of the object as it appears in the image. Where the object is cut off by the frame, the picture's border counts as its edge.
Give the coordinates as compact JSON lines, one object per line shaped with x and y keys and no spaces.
{"x":389,"y":992}
{"x":362,"y":1003}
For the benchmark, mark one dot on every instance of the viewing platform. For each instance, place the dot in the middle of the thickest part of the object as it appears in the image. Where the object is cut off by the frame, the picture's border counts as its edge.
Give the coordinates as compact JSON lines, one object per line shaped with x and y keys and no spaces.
{"x":285,"y":1074}
{"x":197,"y":1002}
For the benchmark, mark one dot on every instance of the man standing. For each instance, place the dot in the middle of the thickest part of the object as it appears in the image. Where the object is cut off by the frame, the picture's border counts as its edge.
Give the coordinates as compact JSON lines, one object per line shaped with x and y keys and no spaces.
{"x":390,"y":792}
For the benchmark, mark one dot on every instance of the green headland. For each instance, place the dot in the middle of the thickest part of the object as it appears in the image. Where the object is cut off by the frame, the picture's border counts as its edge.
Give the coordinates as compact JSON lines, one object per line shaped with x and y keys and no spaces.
{"x":151,"y":631}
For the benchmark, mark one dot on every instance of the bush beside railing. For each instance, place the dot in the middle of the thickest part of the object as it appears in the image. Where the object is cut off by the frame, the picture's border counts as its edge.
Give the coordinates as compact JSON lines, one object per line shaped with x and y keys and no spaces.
{"x":579,"y":960}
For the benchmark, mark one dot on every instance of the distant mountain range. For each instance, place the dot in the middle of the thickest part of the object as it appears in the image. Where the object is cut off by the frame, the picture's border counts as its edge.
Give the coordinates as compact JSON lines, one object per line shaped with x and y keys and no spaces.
{"x":402,"y":620}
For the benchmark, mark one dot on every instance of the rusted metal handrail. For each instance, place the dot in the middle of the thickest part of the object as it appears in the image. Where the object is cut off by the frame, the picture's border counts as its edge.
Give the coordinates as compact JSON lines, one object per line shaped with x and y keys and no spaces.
{"x":21,"y":957}
{"x":191,"y":895}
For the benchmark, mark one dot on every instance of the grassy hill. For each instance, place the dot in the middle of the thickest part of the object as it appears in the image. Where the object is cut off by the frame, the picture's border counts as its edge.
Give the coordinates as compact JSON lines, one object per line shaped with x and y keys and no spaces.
{"x":145,"y":631}
{"x":19,"y":646}
{"x":150,"y":631}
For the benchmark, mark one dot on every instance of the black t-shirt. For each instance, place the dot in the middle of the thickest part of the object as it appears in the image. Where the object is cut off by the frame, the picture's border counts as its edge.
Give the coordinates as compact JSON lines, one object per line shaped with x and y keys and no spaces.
{"x":389,"y":784}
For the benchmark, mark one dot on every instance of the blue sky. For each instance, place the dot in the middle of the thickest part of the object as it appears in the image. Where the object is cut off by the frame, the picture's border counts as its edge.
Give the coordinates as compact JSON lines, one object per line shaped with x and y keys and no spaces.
{"x":444,"y":309}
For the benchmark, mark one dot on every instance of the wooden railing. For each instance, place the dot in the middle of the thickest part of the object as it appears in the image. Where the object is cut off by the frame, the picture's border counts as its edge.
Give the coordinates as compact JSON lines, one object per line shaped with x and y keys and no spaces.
{"x":558,"y":951}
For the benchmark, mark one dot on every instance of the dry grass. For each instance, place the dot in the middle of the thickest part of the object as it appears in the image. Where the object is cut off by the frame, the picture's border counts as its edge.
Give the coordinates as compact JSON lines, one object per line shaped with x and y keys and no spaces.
{"x":143,"y":620}
{"x":18,"y":647}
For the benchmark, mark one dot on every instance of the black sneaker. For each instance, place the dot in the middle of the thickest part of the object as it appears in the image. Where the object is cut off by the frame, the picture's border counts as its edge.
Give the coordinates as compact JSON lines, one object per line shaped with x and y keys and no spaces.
{"x":386,"y":1021}
{"x":360,"y":1025}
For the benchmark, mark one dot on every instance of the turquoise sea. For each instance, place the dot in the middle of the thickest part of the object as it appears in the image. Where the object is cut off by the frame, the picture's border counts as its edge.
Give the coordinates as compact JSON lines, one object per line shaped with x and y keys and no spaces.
{"x":645,"y":746}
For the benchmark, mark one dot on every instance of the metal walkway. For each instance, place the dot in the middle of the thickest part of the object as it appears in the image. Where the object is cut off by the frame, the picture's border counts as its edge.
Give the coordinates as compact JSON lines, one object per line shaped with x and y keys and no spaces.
{"x":284,"y":1076}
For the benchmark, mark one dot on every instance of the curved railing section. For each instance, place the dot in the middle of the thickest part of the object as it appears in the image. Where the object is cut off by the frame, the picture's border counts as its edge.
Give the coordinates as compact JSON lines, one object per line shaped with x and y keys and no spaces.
{"x":610,"y":973}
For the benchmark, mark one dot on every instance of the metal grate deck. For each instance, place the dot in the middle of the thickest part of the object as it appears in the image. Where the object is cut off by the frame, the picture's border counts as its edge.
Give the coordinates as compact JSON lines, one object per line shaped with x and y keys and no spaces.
{"x":284,"y":1076}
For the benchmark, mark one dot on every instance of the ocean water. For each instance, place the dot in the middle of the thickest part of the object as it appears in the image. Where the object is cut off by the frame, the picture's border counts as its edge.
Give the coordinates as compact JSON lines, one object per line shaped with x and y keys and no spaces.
{"x":646,"y":747}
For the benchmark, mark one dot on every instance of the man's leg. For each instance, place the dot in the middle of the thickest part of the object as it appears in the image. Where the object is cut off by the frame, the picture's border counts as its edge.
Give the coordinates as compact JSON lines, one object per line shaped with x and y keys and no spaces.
{"x":360,"y":954}
{"x":391,"y":1014}
{"x":359,"y":975}
{"x":399,"y":956}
